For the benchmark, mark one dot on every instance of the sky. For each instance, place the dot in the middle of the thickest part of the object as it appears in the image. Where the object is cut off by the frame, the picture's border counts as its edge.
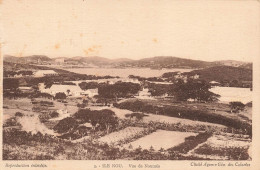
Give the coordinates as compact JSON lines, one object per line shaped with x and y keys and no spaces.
{"x":201,"y":30}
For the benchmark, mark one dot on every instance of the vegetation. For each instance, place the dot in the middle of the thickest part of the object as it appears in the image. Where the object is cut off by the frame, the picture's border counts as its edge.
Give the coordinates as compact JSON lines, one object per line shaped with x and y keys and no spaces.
{"x":60,"y":95}
{"x":104,"y":119}
{"x":10,"y":84}
{"x":54,"y":114}
{"x":233,"y":153}
{"x":19,"y":114}
{"x":152,"y":79}
{"x":159,"y":89}
{"x":66,"y":125}
{"x":236,"y":107}
{"x":74,"y":128}
{"x":48,"y":147}
{"x":191,"y":142}
{"x":186,"y":113}
{"x":119,"y":89}
{"x":138,"y":116}
{"x":197,"y":90}
{"x":93,"y":124}
{"x":88,"y":85}
{"x":226,"y":75}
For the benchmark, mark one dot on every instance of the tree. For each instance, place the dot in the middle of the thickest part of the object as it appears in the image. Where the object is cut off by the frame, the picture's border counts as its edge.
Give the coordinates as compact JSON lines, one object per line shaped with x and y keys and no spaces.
{"x":88,"y":85}
{"x":19,"y":114}
{"x":60,"y":95}
{"x":236,"y":107}
{"x":48,"y":83}
{"x":158,"y":89}
{"x":65,"y":125}
{"x":193,"y":89}
{"x":106,"y":119}
{"x":119,"y":89}
{"x":11,"y":84}
{"x":54,"y":114}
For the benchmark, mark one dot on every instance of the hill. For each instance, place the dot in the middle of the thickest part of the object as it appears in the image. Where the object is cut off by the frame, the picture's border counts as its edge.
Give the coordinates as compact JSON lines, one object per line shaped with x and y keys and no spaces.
{"x":226,"y":75}
{"x":176,"y":62}
{"x":34,"y":59}
{"x":172,"y":62}
{"x":158,"y":62}
{"x":222,"y":73}
{"x":234,"y":63}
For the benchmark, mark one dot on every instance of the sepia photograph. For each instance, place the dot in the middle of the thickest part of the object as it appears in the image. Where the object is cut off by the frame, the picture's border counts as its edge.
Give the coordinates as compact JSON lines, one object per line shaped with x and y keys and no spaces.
{"x":128,"y":80}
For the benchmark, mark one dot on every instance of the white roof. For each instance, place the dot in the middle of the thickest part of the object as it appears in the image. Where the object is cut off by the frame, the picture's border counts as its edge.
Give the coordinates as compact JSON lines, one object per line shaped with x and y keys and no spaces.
{"x":25,"y":88}
{"x":88,"y":124}
{"x":215,"y":82}
{"x":93,"y":90}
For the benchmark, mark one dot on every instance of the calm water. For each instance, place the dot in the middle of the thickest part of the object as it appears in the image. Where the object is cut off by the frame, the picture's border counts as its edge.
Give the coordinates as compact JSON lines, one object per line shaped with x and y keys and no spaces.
{"x":143,"y":72}
{"x":229,"y":94}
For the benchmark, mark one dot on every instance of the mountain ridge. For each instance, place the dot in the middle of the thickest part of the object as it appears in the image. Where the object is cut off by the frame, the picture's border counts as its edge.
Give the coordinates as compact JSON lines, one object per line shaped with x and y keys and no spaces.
{"x":157,"y":62}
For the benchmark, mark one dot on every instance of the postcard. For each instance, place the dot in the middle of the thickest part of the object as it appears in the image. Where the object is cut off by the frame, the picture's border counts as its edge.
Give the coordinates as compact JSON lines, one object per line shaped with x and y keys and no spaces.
{"x":130,"y":84}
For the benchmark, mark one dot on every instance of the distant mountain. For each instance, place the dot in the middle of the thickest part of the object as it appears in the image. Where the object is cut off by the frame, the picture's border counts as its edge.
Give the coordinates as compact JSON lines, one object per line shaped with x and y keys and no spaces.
{"x":11,"y":59}
{"x":95,"y":60}
{"x":122,"y":60}
{"x":233,"y":63}
{"x":158,"y":62}
{"x":171,"y":62}
{"x":34,"y":59}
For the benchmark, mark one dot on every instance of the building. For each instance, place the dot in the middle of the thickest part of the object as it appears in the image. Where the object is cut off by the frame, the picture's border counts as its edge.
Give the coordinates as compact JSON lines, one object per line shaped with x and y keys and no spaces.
{"x":214,"y":83}
{"x":42,"y":73}
{"x":91,"y":92}
{"x":69,"y":90}
{"x":196,"y":76}
{"x":25,"y":89}
{"x":144,"y":94}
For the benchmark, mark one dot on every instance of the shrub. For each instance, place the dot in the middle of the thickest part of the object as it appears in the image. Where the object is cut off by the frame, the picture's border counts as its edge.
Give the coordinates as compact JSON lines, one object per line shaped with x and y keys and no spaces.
{"x":236,"y":106}
{"x":46,"y":103}
{"x":65,"y":125}
{"x":44,"y":117}
{"x":54,"y":114}
{"x":249,"y":104}
{"x":19,"y":114}
{"x":137,"y":115}
{"x":60,"y":96}
{"x":81,"y":105}
{"x":233,"y":153}
{"x":191,"y":142}
{"x":11,"y":122}
{"x":106,"y":119}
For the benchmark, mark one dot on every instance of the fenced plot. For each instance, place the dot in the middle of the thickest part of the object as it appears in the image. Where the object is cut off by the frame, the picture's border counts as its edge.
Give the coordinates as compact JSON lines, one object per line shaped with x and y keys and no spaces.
{"x":160,"y":139}
{"x":121,"y":135}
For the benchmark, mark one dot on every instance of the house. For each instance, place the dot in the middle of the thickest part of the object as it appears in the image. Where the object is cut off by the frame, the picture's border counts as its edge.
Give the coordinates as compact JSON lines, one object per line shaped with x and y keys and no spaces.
{"x":69,"y":90}
{"x":214,"y":83}
{"x":144,"y":94}
{"x":18,"y":75}
{"x":25,"y":89}
{"x":42,"y":73}
{"x":196,"y":76}
{"x":91,"y":92}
